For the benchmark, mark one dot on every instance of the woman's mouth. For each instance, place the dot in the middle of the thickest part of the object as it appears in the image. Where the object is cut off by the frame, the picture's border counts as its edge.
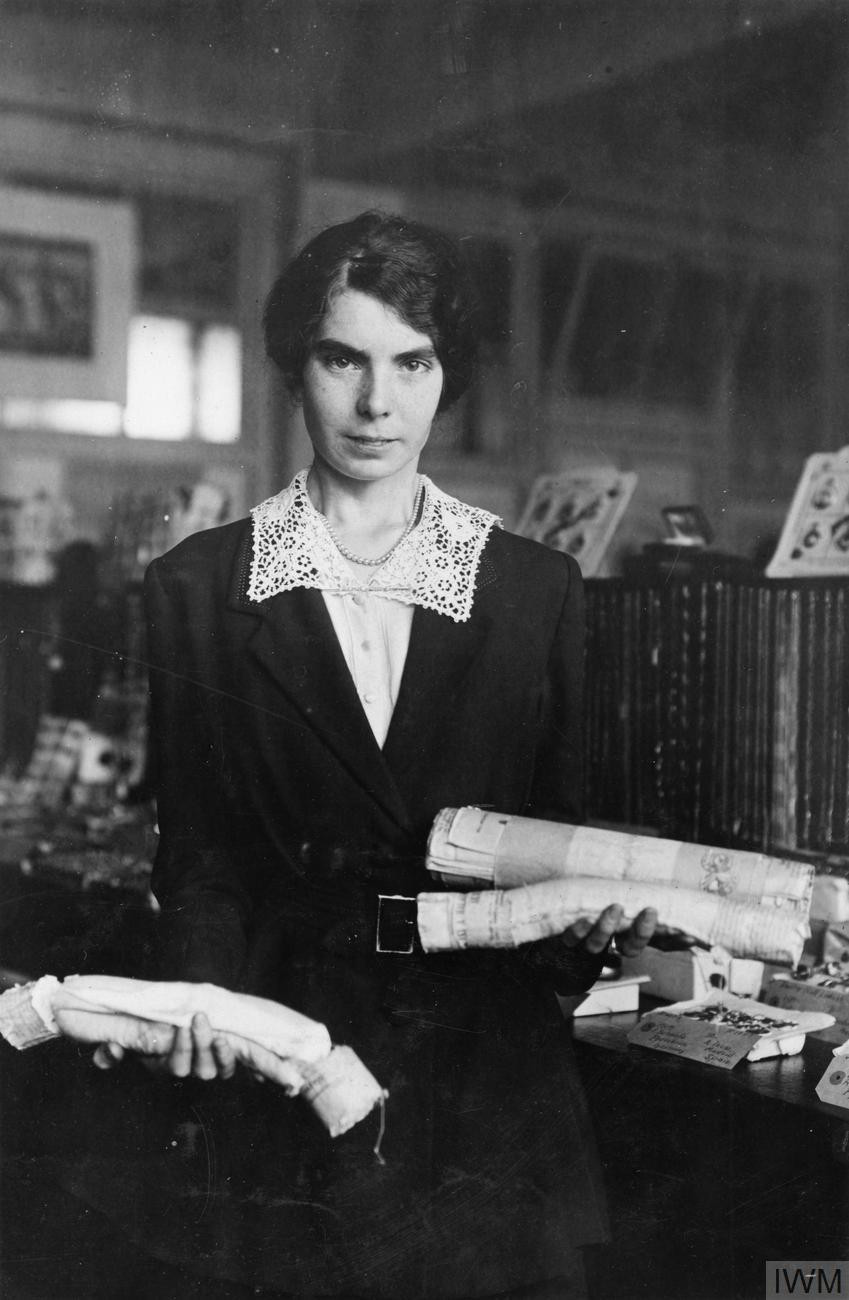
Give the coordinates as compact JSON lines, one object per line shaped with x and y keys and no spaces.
{"x":368,"y":444}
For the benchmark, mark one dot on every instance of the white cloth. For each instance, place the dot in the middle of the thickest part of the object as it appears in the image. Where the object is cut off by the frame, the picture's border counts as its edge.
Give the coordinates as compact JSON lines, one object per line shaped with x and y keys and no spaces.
{"x":333,"y":1080}
{"x":435,"y":566}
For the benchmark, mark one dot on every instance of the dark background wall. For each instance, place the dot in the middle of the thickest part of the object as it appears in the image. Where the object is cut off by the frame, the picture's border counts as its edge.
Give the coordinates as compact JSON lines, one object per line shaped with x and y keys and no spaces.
{"x":655,"y":195}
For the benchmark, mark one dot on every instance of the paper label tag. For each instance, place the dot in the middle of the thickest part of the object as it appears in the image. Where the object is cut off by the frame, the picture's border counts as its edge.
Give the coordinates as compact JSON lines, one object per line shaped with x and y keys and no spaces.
{"x":721,"y":1029}
{"x":480,"y":831}
{"x":833,"y":1087}
{"x":698,"y":1040}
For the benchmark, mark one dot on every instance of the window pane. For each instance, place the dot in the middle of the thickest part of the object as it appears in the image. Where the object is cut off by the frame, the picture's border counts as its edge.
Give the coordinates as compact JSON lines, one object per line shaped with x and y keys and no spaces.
{"x":219,"y":384}
{"x":160,"y":387}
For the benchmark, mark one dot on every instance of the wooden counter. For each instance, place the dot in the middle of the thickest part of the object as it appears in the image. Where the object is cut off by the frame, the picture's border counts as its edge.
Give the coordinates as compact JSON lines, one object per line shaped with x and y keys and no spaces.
{"x":711,"y":1172}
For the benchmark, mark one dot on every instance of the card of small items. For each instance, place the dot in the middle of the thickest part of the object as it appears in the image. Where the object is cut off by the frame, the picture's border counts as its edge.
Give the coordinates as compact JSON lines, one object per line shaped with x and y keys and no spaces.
{"x":723,"y":1030}
{"x":815,"y":539}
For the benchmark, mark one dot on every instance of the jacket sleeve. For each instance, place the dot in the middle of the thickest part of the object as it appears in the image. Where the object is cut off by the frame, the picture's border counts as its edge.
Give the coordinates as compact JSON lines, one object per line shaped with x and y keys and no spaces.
{"x":199,"y":879}
{"x":557,"y":792}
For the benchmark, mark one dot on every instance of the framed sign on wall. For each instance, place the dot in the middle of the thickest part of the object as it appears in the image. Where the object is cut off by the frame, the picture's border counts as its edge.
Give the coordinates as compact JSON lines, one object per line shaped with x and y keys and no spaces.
{"x":67,"y":287}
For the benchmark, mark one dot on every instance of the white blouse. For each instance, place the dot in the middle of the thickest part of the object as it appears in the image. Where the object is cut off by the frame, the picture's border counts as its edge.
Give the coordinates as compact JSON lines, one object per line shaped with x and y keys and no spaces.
{"x":374,"y":633}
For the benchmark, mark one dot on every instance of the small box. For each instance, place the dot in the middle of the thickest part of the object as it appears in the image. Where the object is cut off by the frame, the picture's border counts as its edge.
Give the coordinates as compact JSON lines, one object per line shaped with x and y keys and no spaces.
{"x":823,"y":990}
{"x":605,"y":997}
{"x":830,"y":899}
{"x":835,"y":943}
{"x":682,"y":974}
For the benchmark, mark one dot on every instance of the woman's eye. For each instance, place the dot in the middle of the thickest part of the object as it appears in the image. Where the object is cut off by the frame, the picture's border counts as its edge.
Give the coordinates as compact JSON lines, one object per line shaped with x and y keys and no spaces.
{"x":336,"y":361}
{"x":416,"y":364}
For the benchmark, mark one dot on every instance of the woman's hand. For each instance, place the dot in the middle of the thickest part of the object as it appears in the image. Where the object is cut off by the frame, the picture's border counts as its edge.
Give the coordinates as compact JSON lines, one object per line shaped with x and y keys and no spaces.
{"x":192,"y":1051}
{"x":574,"y":959}
{"x":594,"y":936}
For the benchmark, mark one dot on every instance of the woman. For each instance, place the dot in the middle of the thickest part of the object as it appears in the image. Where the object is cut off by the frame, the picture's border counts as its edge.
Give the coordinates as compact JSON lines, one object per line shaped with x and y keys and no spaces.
{"x":326,"y":676}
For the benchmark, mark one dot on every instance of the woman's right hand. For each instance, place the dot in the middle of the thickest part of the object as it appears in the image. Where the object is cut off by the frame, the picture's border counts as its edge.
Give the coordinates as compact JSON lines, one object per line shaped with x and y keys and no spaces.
{"x":191,"y":1051}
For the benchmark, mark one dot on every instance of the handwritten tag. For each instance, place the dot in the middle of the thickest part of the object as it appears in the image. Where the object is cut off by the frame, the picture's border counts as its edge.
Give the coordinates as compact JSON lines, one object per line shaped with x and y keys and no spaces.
{"x":723,"y":1029}
{"x":695,"y":1039}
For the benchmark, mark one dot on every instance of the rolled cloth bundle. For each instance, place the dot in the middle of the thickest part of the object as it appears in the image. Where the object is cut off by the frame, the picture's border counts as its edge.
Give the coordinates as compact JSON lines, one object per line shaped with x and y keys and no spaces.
{"x":100,"y":1008}
{"x":540,"y":876}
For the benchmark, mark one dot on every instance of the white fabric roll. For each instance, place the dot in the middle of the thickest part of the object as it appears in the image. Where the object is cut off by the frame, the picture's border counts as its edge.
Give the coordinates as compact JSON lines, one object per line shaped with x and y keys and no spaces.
{"x":507,"y":918}
{"x":333,"y":1080}
{"x":475,"y":848}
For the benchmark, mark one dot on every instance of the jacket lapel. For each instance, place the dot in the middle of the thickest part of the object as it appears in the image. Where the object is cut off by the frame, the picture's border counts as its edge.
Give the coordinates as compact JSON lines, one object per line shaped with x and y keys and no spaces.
{"x":440,"y":656}
{"x":294,"y":644}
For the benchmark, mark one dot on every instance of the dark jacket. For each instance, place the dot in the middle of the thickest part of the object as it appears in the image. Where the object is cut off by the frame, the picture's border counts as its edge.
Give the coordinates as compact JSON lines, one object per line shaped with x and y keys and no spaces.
{"x":281,"y":820}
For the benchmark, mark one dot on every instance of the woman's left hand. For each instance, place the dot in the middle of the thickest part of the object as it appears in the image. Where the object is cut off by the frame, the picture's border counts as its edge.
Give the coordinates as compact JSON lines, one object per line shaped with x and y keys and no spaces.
{"x":594,"y":936}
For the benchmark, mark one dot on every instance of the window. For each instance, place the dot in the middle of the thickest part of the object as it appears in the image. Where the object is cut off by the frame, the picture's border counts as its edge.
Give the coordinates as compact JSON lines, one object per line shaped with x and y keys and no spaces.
{"x":184,"y":351}
{"x":183,"y":382}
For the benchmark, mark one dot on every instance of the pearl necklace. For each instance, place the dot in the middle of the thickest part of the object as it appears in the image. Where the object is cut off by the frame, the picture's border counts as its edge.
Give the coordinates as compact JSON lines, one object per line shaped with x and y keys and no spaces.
{"x":380,"y":559}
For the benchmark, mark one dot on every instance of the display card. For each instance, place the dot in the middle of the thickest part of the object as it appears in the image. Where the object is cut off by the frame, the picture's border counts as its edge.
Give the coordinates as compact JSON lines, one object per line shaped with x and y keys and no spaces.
{"x":815,"y":539}
{"x":578,"y":512}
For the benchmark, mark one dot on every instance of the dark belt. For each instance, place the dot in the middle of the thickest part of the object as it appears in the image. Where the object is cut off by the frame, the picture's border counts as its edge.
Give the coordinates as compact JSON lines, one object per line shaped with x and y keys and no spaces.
{"x":338,"y":891}
{"x":396,"y":929}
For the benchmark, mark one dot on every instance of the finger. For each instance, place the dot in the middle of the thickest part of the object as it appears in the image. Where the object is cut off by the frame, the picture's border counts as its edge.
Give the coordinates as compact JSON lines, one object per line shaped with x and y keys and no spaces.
{"x":203,"y":1061}
{"x":180,"y":1057}
{"x":225,"y":1057}
{"x":108,"y":1055}
{"x":577,"y":932}
{"x":604,"y":929}
{"x":259,"y":1060}
{"x":131,"y":1033}
{"x":633,"y":940}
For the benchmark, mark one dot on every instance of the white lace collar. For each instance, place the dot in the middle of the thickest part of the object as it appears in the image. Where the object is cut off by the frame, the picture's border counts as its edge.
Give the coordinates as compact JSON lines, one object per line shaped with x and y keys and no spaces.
{"x":435,"y":566}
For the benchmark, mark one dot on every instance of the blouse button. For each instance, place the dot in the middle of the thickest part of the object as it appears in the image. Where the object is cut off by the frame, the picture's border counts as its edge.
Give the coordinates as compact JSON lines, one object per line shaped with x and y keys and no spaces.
{"x":369,"y":697}
{"x":358,"y":600}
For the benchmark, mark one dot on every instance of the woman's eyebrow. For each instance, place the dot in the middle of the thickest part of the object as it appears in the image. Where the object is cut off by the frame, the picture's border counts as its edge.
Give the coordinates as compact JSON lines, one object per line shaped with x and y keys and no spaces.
{"x":337,"y":345}
{"x":425,"y":353}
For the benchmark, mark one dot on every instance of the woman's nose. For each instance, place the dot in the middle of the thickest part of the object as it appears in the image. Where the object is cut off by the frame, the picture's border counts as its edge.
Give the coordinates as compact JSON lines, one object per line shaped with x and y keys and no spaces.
{"x":374,"y":397}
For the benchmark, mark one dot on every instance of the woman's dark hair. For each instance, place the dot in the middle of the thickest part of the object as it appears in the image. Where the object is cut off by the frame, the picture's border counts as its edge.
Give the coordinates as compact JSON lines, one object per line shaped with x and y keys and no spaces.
{"x":416,"y":271}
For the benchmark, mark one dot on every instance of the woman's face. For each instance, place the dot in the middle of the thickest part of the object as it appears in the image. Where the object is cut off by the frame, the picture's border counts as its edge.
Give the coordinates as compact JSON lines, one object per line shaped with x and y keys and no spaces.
{"x":371,"y":387}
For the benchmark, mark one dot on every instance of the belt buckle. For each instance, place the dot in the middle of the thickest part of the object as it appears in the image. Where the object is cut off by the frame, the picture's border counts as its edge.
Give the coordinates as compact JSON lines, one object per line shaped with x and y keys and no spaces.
{"x":396,"y":924}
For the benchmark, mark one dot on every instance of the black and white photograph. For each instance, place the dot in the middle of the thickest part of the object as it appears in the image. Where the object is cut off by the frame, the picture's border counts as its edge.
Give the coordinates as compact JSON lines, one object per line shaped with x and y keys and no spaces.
{"x":424,"y":841}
